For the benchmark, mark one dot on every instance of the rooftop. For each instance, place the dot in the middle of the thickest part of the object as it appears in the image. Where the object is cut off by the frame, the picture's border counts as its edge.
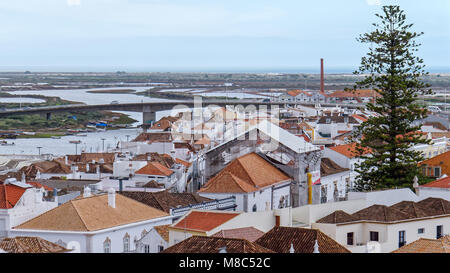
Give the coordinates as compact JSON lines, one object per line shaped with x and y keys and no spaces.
{"x":30,"y":245}
{"x":154,"y":168}
{"x":443,"y":183}
{"x":424,"y":245}
{"x":248,"y":233}
{"x":204,"y":220}
{"x":348,"y":150}
{"x":10,"y":195}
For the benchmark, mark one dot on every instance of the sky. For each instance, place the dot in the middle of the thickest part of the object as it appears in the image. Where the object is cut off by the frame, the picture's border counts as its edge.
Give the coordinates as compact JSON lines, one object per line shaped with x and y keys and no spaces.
{"x":206,"y":35}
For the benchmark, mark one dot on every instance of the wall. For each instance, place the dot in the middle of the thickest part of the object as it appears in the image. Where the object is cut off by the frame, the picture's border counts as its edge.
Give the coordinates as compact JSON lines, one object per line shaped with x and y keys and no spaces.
{"x":153,"y":240}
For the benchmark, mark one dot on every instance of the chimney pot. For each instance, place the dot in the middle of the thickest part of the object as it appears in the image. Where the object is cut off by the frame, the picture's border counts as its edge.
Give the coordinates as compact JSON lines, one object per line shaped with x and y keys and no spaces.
{"x":112,"y":198}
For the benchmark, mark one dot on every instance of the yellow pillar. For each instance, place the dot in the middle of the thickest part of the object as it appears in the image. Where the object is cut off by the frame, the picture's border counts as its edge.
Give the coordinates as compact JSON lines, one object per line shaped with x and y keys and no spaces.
{"x":309,"y":188}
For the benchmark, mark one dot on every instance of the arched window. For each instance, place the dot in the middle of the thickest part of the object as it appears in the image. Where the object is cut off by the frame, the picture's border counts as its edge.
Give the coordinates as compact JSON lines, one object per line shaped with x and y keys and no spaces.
{"x":107,"y":245}
{"x":254,"y":207}
{"x":126,"y":243}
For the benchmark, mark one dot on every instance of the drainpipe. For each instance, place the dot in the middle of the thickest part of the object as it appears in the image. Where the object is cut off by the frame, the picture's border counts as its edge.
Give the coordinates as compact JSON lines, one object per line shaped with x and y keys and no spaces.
{"x":309,"y":188}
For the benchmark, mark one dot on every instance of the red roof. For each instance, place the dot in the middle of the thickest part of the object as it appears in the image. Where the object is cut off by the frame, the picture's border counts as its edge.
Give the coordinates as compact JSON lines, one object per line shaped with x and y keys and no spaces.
{"x":439,"y":183}
{"x":204,"y":220}
{"x":10,"y":195}
{"x":155,"y":168}
{"x":297,"y":92}
{"x":349,"y":150}
{"x":39,"y":185}
{"x":359,"y":117}
{"x":353,"y":94}
{"x":181,"y":161}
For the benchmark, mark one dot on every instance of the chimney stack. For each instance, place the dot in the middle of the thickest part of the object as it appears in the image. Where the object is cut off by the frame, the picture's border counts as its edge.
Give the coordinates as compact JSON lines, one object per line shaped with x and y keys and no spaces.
{"x":87,"y":192}
{"x":112,"y":198}
{"x":322,"y":85}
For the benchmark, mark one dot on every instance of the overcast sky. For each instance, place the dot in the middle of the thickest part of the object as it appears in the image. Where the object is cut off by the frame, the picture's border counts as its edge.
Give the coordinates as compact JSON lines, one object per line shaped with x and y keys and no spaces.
{"x":204,"y":35}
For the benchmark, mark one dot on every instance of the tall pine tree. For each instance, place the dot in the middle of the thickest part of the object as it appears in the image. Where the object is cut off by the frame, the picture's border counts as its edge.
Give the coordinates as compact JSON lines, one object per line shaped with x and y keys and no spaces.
{"x":394,"y":73}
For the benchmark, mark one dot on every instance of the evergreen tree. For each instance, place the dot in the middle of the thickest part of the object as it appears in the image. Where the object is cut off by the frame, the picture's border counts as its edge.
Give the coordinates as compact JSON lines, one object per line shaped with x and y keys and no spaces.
{"x":394,"y":73}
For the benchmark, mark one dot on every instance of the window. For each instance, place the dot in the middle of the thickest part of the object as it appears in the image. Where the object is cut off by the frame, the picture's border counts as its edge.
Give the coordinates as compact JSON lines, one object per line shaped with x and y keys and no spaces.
{"x":437,"y":172}
{"x":350,"y":238}
{"x":439,"y":230}
{"x":401,"y":238}
{"x":107,"y":245}
{"x":374,"y":236}
{"x":146,"y":248}
{"x":420,"y":231}
{"x":126,"y":243}
{"x":160,"y":248}
{"x":254,"y":207}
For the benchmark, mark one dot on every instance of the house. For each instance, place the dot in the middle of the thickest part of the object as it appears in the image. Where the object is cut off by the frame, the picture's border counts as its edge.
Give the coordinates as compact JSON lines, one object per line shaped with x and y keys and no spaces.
{"x":299,"y":240}
{"x":345,"y":155}
{"x":329,"y":126}
{"x":155,"y":171}
{"x":436,"y":166}
{"x":155,"y":241}
{"x":20,"y":202}
{"x":439,"y":188}
{"x":209,"y":222}
{"x":203,"y":244}
{"x":248,"y":233}
{"x":296,"y":96}
{"x":423,"y":245}
{"x":30,"y":245}
{"x":256,"y":184}
{"x":335,"y":181}
{"x":391,"y":227}
{"x":356,"y":96}
{"x":95,"y":223}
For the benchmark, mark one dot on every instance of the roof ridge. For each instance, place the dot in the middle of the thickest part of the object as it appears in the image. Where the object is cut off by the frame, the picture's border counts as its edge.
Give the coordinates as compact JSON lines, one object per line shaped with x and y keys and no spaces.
{"x":245,"y":170}
{"x":77,"y":212}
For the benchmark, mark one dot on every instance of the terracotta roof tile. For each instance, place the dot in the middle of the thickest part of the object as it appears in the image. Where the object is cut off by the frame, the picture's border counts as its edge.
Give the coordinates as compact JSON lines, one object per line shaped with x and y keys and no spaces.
{"x":279,"y":240}
{"x":163,"y":231}
{"x":338,"y":216}
{"x":30,"y":245}
{"x":248,"y":233}
{"x":329,"y":167}
{"x":247,"y":173}
{"x":424,"y":245}
{"x":155,"y":168}
{"x":203,"y":244}
{"x":93,"y":213}
{"x":10,"y":195}
{"x":443,"y":183}
{"x":203,"y":220}
{"x":348,"y":150}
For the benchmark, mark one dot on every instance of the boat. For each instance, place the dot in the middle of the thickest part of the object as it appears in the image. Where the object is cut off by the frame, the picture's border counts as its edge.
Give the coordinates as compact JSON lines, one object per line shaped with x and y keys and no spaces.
{"x":83,"y":135}
{"x":56,"y":137}
{"x":5,"y":143}
{"x":75,"y":141}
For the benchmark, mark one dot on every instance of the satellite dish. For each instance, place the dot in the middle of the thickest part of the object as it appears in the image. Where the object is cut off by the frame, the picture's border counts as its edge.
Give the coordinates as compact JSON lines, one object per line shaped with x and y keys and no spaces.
{"x":74,"y":246}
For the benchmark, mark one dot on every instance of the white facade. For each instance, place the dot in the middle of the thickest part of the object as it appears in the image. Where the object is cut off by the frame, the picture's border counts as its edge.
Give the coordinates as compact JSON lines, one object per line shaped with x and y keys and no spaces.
{"x":388,"y":233}
{"x":335,"y":186}
{"x":29,"y":206}
{"x":152,"y":242}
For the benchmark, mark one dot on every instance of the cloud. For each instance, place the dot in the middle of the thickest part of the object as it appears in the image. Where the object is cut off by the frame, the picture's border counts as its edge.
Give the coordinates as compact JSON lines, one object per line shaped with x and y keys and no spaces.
{"x":72,"y":3}
{"x":373,"y":2}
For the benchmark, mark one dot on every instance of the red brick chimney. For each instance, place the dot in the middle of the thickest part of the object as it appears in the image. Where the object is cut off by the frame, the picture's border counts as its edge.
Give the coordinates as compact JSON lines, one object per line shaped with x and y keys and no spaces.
{"x":322,"y":87}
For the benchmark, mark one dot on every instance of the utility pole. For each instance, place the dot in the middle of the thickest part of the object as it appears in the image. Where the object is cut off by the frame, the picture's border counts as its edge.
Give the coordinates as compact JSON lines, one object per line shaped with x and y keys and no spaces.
{"x":39,"y":148}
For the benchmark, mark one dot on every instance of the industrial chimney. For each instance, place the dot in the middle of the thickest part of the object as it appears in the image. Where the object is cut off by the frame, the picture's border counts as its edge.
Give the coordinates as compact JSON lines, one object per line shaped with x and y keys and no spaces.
{"x":322,"y":85}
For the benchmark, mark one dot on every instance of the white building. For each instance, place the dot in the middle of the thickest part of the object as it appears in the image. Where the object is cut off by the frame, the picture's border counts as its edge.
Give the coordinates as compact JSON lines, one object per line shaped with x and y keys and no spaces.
{"x":95,"y":224}
{"x":155,"y":241}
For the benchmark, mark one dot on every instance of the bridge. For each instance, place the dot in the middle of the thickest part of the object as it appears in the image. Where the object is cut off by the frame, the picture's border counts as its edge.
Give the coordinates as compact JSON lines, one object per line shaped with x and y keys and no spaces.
{"x":149,"y":109}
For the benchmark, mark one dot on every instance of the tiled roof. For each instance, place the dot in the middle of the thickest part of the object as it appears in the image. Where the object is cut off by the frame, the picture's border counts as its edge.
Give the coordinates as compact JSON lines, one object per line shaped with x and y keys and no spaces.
{"x":359,"y":117}
{"x":204,"y":220}
{"x":183,"y":162}
{"x":165,"y":200}
{"x":348,"y":150}
{"x":424,"y":245}
{"x":10,"y":195}
{"x":297,"y":92}
{"x":439,"y":183}
{"x":328,"y":167}
{"x":247,"y":173}
{"x":338,"y":216}
{"x":154,"y":168}
{"x":248,"y":233}
{"x":153,"y":184}
{"x":354,"y":94}
{"x":164,"y":123}
{"x":279,"y":240}
{"x":337,"y":119}
{"x":203,"y":244}
{"x":405,"y":210}
{"x":39,"y":185}
{"x":442,"y":160}
{"x":93,"y":213}
{"x":154,"y":137}
{"x":163,"y":231}
{"x":30,"y":245}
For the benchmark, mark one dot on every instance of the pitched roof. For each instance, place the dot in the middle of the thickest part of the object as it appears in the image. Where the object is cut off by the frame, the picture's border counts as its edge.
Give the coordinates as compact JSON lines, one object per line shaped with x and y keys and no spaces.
{"x":279,"y":240}
{"x":359,"y":117}
{"x":10,"y":195}
{"x":247,"y":173}
{"x":404,"y":210}
{"x":442,"y":160}
{"x":164,"y":200}
{"x":93,"y":213}
{"x":439,"y":183}
{"x":39,"y":185}
{"x":424,"y":245}
{"x":163,"y":231}
{"x":204,"y":220}
{"x":338,"y":216}
{"x":30,"y":245}
{"x":354,"y":94}
{"x":248,"y":233}
{"x":329,"y":167}
{"x":348,"y":150}
{"x":297,"y":92}
{"x":183,"y":162}
{"x":337,"y":119}
{"x":203,"y":244}
{"x":154,"y":168}
{"x":154,"y":137}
